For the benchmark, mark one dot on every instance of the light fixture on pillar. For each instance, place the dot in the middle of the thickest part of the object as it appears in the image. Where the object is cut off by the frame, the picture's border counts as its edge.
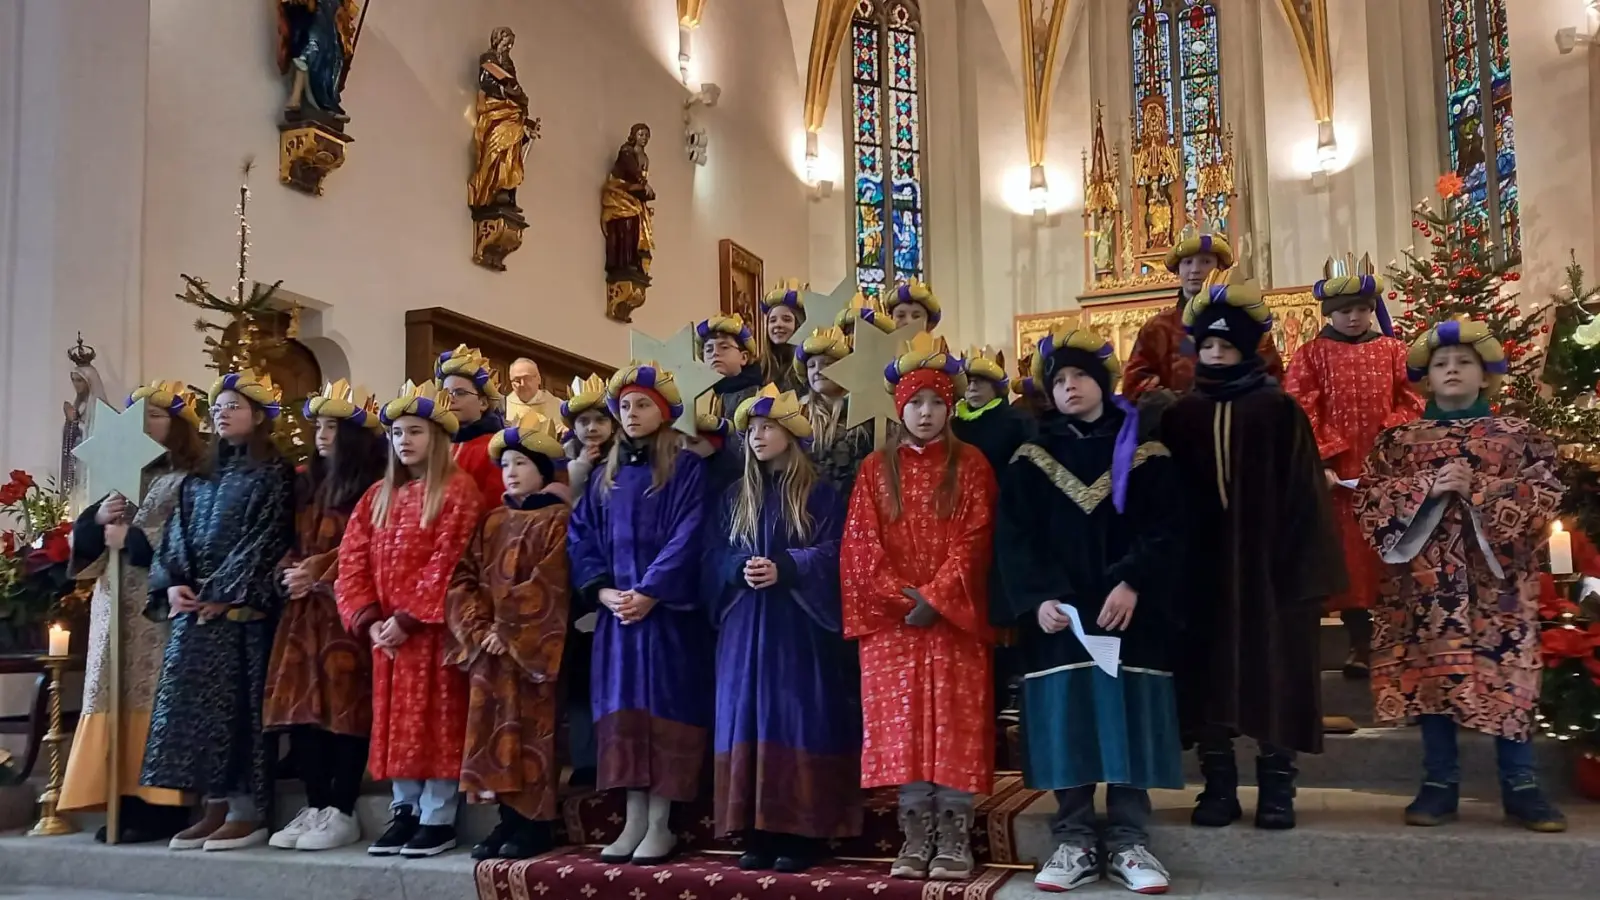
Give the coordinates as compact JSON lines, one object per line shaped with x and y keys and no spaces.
{"x":1039,"y":194}
{"x":695,"y":140}
{"x":1568,"y":39}
{"x":685,"y":52}
{"x":1327,"y":146}
{"x":821,"y":189}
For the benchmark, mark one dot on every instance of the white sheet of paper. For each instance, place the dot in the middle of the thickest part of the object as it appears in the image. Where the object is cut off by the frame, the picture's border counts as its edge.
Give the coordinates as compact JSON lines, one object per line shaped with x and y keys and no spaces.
{"x":1106,"y":651}
{"x":1349,"y":484}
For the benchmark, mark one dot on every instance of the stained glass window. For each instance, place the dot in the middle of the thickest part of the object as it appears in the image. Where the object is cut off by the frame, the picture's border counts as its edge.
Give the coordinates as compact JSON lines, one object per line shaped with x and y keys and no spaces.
{"x":1478,"y":126}
{"x":1176,"y":55}
{"x":886,"y":115}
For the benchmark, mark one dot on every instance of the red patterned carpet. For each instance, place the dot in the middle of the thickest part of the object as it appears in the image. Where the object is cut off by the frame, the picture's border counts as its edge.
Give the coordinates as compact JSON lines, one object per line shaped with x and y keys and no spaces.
{"x":578,"y":874}
{"x":596,"y":820}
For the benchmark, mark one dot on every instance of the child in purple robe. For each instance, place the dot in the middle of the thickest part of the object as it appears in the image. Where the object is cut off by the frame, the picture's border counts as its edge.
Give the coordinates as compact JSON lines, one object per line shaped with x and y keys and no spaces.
{"x":788,"y":738}
{"x":634,"y":543}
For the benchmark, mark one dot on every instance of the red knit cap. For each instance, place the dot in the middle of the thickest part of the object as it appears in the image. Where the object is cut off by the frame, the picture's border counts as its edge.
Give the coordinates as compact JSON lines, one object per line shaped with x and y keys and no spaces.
{"x":655,"y":397}
{"x":916,"y":380}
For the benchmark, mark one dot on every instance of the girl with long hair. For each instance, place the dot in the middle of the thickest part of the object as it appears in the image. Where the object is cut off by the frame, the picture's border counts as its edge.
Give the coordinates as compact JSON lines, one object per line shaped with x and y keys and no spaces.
{"x":836,"y":450}
{"x":783,"y":311}
{"x":507,"y":610}
{"x":213,"y":578}
{"x":134,"y":527}
{"x":914,"y":567}
{"x":788,"y":735}
{"x":319,"y":687}
{"x":634,"y":542}
{"x":400,"y":548}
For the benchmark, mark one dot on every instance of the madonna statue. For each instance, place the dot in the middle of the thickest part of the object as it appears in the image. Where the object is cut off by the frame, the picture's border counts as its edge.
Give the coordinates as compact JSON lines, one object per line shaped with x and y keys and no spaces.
{"x":316,"y":40}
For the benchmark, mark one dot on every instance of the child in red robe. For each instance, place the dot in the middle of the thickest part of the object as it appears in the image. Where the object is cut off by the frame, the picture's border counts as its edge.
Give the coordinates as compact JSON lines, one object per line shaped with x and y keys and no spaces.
{"x":475,"y":401}
{"x":1351,"y":381}
{"x":914,"y":567}
{"x":400,"y":548}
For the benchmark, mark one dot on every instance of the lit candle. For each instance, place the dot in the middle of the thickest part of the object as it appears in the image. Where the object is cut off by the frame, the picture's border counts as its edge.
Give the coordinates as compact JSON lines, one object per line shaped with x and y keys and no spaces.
{"x":1560,"y":550}
{"x":59,"y":638}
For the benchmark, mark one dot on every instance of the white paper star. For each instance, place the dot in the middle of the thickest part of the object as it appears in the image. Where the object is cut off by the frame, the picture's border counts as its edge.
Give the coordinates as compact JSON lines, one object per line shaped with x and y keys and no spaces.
{"x":680,"y":355}
{"x":116,"y":452}
{"x":861,"y":374}
{"x":823,"y":309}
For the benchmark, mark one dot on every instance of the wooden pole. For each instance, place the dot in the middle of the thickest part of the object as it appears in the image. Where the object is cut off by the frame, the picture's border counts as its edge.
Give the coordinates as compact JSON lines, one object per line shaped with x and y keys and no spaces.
{"x":113,"y":684}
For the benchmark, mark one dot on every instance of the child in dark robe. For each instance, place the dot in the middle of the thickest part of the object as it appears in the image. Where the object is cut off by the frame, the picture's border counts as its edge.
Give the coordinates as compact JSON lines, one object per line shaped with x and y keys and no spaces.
{"x":507,"y":610}
{"x":1086,"y":522}
{"x":1263,"y":555}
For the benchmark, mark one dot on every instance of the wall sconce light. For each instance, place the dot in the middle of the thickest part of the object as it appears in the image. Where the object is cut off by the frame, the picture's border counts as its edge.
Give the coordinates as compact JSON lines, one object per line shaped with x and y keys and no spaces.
{"x":1568,"y":39}
{"x":685,"y":52}
{"x":1327,"y":147}
{"x":695,"y":140}
{"x":1038,"y":194}
{"x":821,"y":189}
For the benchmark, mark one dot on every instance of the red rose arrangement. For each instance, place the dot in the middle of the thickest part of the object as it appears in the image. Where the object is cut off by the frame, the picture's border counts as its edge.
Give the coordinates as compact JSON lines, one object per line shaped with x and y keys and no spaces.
{"x":34,"y":551}
{"x":1569,"y":702}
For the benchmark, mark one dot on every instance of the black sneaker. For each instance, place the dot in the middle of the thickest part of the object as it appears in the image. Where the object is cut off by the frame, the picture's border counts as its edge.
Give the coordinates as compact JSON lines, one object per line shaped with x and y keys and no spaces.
{"x":430,"y":840}
{"x":530,"y":840}
{"x":489,"y":847}
{"x":401,"y":829}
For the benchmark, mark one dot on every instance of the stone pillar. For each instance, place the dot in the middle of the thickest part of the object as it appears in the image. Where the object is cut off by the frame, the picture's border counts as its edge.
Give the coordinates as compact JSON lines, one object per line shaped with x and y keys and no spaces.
{"x":72,"y":125}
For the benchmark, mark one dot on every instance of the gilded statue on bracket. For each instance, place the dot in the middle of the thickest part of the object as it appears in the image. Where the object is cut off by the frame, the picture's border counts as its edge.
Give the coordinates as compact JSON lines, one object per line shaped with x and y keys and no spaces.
{"x":316,"y":45}
{"x":625,"y":216}
{"x":501,"y":138}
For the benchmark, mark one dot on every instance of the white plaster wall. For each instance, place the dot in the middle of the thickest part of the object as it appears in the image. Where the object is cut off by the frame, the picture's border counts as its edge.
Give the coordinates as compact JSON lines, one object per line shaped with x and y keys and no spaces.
{"x":393,"y":232}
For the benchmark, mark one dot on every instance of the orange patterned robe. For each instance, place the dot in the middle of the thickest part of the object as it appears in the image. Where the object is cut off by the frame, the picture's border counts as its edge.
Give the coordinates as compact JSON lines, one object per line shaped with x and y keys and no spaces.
{"x":320,"y":674}
{"x":1451,"y":636}
{"x":1351,"y":392}
{"x":512,"y":581}
{"x":927,"y":693}
{"x":402,"y":569}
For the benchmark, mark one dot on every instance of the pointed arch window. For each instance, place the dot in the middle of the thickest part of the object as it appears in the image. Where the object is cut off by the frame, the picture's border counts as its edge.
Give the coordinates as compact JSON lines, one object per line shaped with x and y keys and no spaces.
{"x":885,"y":102}
{"x":1177,"y":56}
{"x":1478,"y":134}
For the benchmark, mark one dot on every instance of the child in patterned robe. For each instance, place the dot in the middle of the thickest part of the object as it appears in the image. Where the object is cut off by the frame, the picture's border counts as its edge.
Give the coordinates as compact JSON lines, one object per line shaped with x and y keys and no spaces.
{"x":914,"y":569}
{"x":1456,"y":504}
{"x":507,"y":610}
{"x":1351,"y":382}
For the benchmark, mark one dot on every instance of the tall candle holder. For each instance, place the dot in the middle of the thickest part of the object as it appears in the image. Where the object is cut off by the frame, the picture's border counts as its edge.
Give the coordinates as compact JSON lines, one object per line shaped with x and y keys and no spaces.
{"x":51,"y":823}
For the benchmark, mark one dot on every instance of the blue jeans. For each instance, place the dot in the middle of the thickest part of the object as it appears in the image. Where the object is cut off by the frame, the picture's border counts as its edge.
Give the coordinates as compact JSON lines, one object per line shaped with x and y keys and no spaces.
{"x":1441,"y":760}
{"x":434,"y":801}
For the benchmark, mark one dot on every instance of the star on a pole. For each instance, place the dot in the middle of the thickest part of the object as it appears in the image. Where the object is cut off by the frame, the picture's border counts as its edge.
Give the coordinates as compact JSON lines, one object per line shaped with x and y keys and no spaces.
{"x":861,"y":374}
{"x":823,"y":309}
{"x":116,"y":451}
{"x":680,"y":355}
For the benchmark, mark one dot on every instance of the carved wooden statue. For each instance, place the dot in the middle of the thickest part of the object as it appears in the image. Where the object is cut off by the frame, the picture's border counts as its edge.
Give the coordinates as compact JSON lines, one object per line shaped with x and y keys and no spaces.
{"x":316,"y":45}
{"x":625,"y":217}
{"x":500,"y":141}
{"x":78,"y":418}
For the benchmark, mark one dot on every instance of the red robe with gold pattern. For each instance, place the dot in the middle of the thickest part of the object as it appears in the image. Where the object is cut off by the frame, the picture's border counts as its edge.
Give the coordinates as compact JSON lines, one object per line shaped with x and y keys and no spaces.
{"x":927,"y":693}
{"x":1352,"y":391}
{"x":1163,"y":356}
{"x":472,"y":456}
{"x":403,"y":569}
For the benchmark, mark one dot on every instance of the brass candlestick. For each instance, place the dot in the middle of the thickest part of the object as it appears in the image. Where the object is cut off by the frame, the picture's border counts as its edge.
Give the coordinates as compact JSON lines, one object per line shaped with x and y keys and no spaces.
{"x":50,"y":822}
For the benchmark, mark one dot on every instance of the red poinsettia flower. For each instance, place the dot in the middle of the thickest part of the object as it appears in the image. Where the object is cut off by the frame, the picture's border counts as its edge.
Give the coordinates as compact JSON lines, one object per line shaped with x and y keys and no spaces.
{"x":1553,"y":606}
{"x":12,"y":493}
{"x":1562,"y":644}
{"x":18,"y":476}
{"x":1449,"y":185}
{"x":1585,"y":558}
{"x":57,"y":546}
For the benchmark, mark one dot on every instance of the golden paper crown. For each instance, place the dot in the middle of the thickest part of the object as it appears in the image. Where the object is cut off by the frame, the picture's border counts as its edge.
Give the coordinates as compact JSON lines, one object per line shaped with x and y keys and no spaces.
{"x":427,"y":400}
{"x":924,"y":351}
{"x":1067,"y":337}
{"x":917,"y":292}
{"x":862,"y":309}
{"x":1194,"y":243}
{"x":769,"y":403}
{"x":648,"y":374}
{"x":790,"y":292}
{"x":339,"y":400}
{"x":830,"y":342}
{"x":1348,"y":277}
{"x":533,"y":433}
{"x":985,"y":362}
{"x":255,"y":386}
{"x":731,"y":326}
{"x":1461,"y":332}
{"x":586,"y":394}
{"x":177,"y":398}
{"x":1234,"y":290}
{"x":468,"y":362}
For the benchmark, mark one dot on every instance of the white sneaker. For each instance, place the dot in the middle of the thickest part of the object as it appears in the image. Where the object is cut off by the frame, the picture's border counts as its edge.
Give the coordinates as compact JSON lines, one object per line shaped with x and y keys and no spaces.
{"x":303,"y":822}
{"x":1137,"y":869}
{"x":1068,"y":868}
{"x":333,"y":829}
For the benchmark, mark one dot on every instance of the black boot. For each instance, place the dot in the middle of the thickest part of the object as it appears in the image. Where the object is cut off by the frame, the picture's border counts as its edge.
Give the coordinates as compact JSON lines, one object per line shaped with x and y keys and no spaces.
{"x":797,"y":854}
{"x":1218,"y":805}
{"x":758,"y":851}
{"x":489,"y":847}
{"x":1275,"y":792}
{"x":529,"y":839}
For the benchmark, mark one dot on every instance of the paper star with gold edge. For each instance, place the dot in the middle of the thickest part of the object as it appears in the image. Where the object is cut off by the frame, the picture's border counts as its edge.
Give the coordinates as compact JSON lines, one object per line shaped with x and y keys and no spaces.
{"x":824,"y":309}
{"x":861,"y":374}
{"x":116,"y":451}
{"x":680,"y":355}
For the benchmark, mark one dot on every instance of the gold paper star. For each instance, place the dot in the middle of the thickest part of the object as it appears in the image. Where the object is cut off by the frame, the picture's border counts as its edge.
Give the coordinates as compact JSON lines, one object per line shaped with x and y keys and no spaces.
{"x":823,"y":309}
{"x":861,"y":374}
{"x":116,"y":452}
{"x":680,"y":355}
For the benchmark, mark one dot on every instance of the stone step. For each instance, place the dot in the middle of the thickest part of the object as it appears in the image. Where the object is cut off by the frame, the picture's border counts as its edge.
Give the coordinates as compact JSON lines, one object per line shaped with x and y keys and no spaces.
{"x":1346,"y":839}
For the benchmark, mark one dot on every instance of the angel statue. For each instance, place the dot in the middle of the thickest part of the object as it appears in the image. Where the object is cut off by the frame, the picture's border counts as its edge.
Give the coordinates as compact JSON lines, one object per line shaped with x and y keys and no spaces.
{"x":504,"y":130}
{"x":625,"y":212}
{"x":316,"y":42}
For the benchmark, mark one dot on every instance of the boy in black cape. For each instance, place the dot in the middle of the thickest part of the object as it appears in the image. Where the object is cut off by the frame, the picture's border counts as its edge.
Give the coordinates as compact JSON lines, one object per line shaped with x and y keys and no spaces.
{"x":1264,"y":554}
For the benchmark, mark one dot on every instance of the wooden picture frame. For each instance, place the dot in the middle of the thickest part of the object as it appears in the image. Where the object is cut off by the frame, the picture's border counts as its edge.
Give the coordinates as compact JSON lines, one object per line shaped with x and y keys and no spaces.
{"x":434,"y":330}
{"x":741,"y":277}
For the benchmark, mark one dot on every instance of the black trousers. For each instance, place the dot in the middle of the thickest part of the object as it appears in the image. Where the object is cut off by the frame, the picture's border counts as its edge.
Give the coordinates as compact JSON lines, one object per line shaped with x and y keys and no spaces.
{"x":331,"y":765}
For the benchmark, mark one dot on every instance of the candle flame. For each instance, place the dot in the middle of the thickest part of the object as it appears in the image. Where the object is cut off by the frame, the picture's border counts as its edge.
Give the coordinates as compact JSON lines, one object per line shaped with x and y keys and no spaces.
{"x":1556,"y":527}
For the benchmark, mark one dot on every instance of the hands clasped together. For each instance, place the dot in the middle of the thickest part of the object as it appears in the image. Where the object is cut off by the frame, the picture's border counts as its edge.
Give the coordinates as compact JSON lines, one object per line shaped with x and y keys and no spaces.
{"x":1115,"y":614}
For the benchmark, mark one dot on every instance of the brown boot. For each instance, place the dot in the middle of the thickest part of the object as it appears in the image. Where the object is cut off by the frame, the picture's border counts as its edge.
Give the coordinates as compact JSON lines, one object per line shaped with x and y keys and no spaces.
{"x":952,"y":859}
{"x":237,"y":836}
{"x":212,"y":816}
{"x":916,"y":822}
